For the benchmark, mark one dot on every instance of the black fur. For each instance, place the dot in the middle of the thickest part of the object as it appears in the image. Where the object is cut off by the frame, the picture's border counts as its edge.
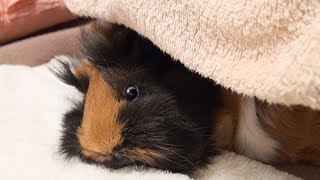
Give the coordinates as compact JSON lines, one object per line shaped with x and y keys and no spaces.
{"x":173,"y":110}
{"x":104,"y":44}
{"x":69,"y":144}
{"x":167,"y":116}
{"x":81,"y":82}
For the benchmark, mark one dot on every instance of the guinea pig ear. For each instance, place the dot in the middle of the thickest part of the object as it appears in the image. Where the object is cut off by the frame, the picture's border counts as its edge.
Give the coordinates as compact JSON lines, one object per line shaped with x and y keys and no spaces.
{"x":104,"y":44}
{"x":65,"y":72}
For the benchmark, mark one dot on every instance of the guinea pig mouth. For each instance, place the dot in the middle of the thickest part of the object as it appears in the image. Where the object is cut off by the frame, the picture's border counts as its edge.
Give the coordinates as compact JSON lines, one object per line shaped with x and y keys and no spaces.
{"x":116,"y":163}
{"x":113,"y":161}
{"x":97,"y":156}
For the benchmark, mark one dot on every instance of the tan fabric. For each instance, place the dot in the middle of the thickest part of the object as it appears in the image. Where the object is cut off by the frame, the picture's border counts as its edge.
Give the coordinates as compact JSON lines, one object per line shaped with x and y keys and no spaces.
{"x":21,"y":17}
{"x":40,"y":49}
{"x":266,"y":48}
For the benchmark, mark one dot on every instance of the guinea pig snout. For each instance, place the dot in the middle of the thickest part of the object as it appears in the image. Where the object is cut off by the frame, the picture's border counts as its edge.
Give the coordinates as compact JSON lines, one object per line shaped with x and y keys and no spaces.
{"x":112,"y":160}
{"x":97,"y":145}
{"x":100,"y":132}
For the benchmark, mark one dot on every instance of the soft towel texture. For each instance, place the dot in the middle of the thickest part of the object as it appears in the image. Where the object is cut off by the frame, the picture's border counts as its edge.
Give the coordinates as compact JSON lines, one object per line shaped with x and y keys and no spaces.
{"x":31,"y":108}
{"x":266,"y":48}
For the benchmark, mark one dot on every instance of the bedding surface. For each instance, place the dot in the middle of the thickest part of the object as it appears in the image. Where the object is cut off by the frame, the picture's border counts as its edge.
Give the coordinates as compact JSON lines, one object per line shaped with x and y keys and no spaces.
{"x":31,"y":107}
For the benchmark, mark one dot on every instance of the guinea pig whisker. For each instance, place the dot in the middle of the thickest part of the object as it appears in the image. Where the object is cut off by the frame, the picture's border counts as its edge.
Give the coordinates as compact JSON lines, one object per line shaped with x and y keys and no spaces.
{"x":166,"y":149}
{"x":135,"y":72}
{"x":168,"y":159}
{"x":70,"y":132}
{"x":146,"y":161}
{"x":125,"y":129}
{"x":106,"y":62}
{"x":70,"y":141}
{"x":172,"y":145}
{"x":152,"y":124}
{"x":132,"y":155}
{"x":76,"y":153}
{"x":67,"y":143}
{"x":72,"y":146}
{"x":116,"y":64}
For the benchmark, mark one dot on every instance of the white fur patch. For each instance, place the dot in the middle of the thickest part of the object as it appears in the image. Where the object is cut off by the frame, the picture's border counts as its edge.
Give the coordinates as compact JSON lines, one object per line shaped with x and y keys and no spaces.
{"x":251,"y":139}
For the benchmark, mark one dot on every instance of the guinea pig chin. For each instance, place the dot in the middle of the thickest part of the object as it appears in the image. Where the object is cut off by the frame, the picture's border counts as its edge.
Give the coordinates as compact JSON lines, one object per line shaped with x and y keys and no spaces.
{"x":100,"y":132}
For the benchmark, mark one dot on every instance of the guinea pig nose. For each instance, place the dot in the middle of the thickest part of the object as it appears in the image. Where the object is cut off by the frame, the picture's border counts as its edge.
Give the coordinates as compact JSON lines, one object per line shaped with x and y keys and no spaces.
{"x":97,"y":155}
{"x":117,"y":163}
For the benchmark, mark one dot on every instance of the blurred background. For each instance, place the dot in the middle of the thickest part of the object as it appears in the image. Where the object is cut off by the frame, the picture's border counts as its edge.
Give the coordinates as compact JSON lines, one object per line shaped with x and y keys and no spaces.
{"x":33,"y":31}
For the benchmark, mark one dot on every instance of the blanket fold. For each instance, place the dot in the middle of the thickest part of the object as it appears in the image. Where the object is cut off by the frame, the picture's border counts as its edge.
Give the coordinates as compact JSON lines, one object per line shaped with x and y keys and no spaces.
{"x":266,"y":48}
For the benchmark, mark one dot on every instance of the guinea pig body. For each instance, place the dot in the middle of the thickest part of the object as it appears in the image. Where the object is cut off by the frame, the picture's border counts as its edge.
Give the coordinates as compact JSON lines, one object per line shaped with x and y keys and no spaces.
{"x":134,"y":111}
{"x":270,"y":133}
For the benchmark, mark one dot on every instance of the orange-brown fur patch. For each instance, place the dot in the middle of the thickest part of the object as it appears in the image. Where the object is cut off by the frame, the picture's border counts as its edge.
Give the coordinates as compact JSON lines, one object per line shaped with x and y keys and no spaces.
{"x":226,"y":120}
{"x":223,"y":129}
{"x":99,"y":132}
{"x":297,"y":129}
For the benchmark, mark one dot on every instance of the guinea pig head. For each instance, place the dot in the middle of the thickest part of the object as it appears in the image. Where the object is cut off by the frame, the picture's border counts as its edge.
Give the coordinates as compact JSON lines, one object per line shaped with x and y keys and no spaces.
{"x":126,"y":118}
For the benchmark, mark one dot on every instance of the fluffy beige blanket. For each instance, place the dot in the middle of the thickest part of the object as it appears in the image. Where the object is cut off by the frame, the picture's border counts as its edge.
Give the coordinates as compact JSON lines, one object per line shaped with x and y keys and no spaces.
{"x":266,"y":48}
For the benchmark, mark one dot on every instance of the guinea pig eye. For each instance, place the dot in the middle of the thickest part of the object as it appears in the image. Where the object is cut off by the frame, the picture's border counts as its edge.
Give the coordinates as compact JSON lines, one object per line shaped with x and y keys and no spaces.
{"x":132,"y":93}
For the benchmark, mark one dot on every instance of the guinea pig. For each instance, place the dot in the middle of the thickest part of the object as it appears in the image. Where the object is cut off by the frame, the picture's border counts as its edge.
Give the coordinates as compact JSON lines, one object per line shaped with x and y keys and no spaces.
{"x":140,"y":108}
